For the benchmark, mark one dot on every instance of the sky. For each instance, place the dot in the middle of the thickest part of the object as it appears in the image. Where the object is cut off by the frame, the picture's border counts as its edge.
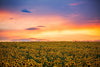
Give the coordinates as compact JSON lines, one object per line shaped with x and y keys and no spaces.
{"x":49,"y":20}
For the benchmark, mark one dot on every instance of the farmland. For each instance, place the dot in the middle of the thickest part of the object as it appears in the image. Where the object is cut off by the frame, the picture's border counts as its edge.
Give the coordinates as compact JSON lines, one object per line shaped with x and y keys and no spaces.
{"x":49,"y":54}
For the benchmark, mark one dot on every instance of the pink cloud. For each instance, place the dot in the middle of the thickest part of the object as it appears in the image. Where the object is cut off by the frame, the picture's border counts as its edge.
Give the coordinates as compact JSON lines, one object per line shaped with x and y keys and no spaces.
{"x":94,"y":21}
{"x":75,"y":4}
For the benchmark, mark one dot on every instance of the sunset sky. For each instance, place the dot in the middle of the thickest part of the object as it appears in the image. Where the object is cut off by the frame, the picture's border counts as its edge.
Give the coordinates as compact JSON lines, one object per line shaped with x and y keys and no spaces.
{"x":49,"y":20}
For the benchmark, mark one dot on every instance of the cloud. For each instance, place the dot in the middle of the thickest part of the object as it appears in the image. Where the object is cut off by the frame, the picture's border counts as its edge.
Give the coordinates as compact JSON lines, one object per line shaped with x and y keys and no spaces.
{"x":11,"y":18}
{"x":32,"y":28}
{"x":94,"y":21}
{"x":26,"y":11}
{"x":3,"y":38}
{"x":40,"y":26}
{"x":30,"y":39}
{"x":75,"y":4}
{"x":36,"y":39}
{"x":1,"y":30}
{"x":97,"y":40}
{"x":20,"y":40}
{"x":33,"y":38}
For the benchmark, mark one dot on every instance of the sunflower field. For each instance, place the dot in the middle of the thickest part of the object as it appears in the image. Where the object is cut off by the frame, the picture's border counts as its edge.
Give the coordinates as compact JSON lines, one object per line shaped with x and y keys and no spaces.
{"x":50,"y":54}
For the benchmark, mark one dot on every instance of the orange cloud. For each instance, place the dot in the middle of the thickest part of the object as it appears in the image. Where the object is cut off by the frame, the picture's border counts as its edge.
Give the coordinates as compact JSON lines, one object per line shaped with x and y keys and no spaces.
{"x":55,"y":27}
{"x":22,"y":22}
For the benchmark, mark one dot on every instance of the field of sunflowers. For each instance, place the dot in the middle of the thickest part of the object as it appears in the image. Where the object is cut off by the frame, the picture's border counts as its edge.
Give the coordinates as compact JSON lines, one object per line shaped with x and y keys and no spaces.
{"x":49,"y":54}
